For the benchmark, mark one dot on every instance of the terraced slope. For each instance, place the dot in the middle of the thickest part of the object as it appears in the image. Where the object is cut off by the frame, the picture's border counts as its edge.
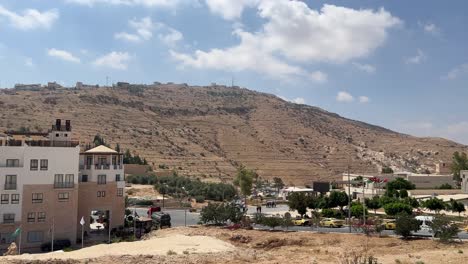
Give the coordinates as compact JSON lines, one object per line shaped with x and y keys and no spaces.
{"x":208,"y":131}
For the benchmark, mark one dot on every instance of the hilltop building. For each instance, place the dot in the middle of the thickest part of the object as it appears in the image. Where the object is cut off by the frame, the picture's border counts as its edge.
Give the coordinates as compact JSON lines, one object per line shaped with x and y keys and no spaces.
{"x":47,"y":184}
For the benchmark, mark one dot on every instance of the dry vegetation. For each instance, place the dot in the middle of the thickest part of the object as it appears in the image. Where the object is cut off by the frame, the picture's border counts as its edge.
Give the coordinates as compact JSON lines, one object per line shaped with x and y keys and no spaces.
{"x":208,"y":131}
{"x":290,"y":247}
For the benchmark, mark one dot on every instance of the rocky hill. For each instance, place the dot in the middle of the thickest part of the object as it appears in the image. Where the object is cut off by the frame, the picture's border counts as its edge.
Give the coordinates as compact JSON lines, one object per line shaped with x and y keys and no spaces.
{"x":208,"y":131}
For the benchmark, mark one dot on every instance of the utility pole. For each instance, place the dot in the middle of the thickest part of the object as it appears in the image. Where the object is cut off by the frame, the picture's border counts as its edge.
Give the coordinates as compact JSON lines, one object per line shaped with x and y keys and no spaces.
{"x":363,"y":202}
{"x":107,"y":81}
{"x":349,"y":199}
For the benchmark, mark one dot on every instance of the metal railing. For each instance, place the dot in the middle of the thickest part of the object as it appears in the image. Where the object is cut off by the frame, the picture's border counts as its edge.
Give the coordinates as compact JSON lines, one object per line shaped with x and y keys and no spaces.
{"x":10,"y":186}
{"x":63,"y":185}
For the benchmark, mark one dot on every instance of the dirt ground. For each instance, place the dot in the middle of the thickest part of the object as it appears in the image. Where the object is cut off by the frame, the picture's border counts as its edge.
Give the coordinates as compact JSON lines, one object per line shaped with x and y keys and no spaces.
{"x":251,"y":246}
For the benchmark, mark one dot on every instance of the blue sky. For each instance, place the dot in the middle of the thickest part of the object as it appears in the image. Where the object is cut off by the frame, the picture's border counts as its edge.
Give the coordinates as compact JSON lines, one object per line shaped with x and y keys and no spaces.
{"x":399,"y":64}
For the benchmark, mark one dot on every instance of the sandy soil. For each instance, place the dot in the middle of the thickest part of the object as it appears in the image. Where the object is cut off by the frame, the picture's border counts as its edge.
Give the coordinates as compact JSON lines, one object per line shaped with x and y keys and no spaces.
{"x":142,"y":191}
{"x":216,"y":245}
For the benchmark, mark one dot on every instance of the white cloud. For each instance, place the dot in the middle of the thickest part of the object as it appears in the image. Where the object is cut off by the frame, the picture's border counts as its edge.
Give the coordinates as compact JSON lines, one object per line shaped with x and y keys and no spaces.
{"x":143,"y":30}
{"x":63,"y":55}
{"x":30,"y":18}
{"x":364,"y":67}
{"x":457,"y":71}
{"x":230,"y":9}
{"x":344,"y":97}
{"x":146,"y":3}
{"x":28,"y":62}
{"x":430,"y":28}
{"x":171,"y":38}
{"x":417,"y":59}
{"x":297,"y":100}
{"x":364,"y":99}
{"x":113,"y":60}
{"x":294,"y":33}
{"x":319,"y":76}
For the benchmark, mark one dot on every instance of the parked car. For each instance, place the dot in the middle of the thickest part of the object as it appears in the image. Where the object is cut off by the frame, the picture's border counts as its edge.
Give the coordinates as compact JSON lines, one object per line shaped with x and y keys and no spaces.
{"x":59,"y":244}
{"x":389,"y":224}
{"x":161,"y":219}
{"x":301,"y":222}
{"x":331,"y":222}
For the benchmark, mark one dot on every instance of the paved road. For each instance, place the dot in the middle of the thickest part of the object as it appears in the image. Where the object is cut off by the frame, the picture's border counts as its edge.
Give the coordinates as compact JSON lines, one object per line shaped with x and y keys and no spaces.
{"x":177,"y":216}
{"x":178,"y":219}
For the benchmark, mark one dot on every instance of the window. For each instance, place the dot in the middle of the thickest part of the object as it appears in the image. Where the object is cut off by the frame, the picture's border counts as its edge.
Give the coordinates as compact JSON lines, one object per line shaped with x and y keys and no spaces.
{"x":12,"y":162}
{"x":5,"y":198}
{"x":35,"y":236}
{"x":8,"y":218}
{"x":37,"y":197}
{"x":119,"y":191}
{"x":63,"y":182}
{"x":117,"y":177}
{"x":15,"y":198}
{"x":84,"y":178}
{"x":41,"y":216}
{"x":6,"y":238}
{"x":64,"y":196}
{"x":101,"y":194}
{"x":10,"y":182}
{"x":101,"y":179}
{"x":34,"y":164}
{"x":44,"y":164}
{"x":31,"y":217}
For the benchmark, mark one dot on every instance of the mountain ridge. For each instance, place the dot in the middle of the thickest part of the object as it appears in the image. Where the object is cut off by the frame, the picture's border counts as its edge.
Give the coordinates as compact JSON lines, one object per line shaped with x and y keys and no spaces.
{"x":208,"y":131}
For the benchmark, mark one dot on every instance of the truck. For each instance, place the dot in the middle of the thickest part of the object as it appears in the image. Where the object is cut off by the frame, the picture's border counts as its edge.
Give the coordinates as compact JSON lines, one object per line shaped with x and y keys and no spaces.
{"x":160,"y":220}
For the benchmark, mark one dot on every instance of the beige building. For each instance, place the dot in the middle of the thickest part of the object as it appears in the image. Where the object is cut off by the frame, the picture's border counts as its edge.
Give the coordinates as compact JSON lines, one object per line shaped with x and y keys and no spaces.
{"x":43,"y":191}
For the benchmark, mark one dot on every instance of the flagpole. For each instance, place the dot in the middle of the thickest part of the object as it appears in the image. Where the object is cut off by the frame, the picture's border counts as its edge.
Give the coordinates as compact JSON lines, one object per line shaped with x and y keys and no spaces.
{"x":19,"y":246}
{"x":82,"y":222}
{"x":109,"y":225}
{"x":53,"y":231}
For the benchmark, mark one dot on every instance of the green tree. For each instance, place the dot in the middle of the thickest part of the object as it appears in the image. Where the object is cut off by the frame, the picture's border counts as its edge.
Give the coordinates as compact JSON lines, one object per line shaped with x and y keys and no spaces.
{"x":405,"y":224}
{"x":220,"y":213}
{"x":298,"y":201}
{"x":411,"y":201}
{"x":272,"y":221}
{"x":357,"y":210}
{"x":397,"y":208}
{"x":456,"y":207}
{"x":400,"y":184}
{"x":117,"y":148}
{"x":339,"y":199}
{"x":244,"y":180}
{"x":387,"y":170}
{"x":373,"y":203}
{"x":278,"y":183}
{"x":459,"y":163}
{"x":443,"y":228}
{"x":434,"y":204}
{"x":403,"y":193}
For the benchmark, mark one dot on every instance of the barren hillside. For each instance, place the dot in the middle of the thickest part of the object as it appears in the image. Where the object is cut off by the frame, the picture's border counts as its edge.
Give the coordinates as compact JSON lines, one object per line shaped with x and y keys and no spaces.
{"x":209,"y":131}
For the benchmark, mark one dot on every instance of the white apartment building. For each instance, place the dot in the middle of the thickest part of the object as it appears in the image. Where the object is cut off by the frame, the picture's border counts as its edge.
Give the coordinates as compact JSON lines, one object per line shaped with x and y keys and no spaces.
{"x":40,"y":189}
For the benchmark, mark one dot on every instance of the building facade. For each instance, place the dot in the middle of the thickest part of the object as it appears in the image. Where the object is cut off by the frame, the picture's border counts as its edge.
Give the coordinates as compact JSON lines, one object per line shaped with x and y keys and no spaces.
{"x":41,"y":191}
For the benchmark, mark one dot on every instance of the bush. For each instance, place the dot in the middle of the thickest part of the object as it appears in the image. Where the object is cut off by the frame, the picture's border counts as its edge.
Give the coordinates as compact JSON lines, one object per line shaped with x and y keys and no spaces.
{"x":332,"y":213}
{"x":405,"y":224}
{"x":200,"y":199}
{"x":357,"y":210}
{"x":397,"y":207}
{"x":445,"y":186}
{"x":443,"y":228}
{"x":219,"y":214}
{"x":272,"y":221}
{"x":144,"y":202}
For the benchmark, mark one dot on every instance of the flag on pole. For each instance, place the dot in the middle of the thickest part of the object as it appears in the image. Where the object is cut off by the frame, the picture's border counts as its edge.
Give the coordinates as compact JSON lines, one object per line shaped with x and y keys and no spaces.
{"x":16,"y":233}
{"x":82,"y":221}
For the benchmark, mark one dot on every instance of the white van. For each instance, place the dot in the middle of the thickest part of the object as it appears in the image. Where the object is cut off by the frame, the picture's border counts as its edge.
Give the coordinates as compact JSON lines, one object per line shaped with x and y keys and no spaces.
{"x":424,"y":221}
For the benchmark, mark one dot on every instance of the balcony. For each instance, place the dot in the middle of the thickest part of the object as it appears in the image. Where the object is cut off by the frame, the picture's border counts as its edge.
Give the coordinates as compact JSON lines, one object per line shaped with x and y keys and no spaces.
{"x":117,"y":167}
{"x":63,"y":185}
{"x":102,"y":166}
{"x":10,"y":186}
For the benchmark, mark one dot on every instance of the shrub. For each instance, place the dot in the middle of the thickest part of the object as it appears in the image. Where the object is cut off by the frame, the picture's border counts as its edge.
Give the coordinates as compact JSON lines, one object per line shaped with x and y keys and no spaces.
{"x":144,"y":202}
{"x":332,"y":213}
{"x":397,"y":207}
{"x":272,"y":221}
{"x":357,"y":210}
{"x":443,"y":228}
{"x":405,"y":224}
{"x":220,"y":213}
{"x":445,"y":186}
{"x":171,"y":252}
{"x":200,"y":199}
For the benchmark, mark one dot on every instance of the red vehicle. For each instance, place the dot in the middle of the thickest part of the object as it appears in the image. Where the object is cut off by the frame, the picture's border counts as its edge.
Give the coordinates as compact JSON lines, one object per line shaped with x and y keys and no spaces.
{"x":153,"y":210}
